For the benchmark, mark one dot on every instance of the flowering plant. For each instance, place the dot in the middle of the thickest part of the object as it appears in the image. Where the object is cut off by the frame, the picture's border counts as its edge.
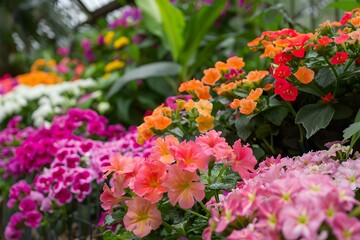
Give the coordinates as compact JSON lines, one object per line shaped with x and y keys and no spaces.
{"x":57,"y":167}
{"x":205,"y":188}
{"x":309,"y":78}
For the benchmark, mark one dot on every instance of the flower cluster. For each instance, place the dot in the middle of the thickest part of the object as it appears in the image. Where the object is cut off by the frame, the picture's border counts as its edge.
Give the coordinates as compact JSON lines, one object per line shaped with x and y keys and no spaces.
{"x":174,"y":172}
{"x":67,"y":161}
{"x":307,"y":197}
{"x":47,"y":100}
{"x":7,"y":83}
{"x":130,"y":16}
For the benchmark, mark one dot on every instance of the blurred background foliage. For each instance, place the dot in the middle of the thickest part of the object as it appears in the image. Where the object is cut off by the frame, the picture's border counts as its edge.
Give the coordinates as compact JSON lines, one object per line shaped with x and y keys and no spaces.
{"x":173,"y":43}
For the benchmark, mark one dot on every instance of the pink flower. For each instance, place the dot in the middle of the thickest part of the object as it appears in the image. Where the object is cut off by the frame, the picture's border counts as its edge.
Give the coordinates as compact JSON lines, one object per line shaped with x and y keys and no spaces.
{"x":191,"y":157}
{"x":27,"y":204}
{"x":149,"y":181}
{"x":162,"y":149}
{"x":141,"y":217}
{"x":183,"y":187}
{"x":111,"y":197}
{"x":346,"y":228}
{"x":33,"y":219}
{"x":348,"y":174}
{"x":214,"y":145}
{"x":341,"y":39}
{"x":300,"y":220}
{"x":119,"y":164}
{"x":244,"y":161}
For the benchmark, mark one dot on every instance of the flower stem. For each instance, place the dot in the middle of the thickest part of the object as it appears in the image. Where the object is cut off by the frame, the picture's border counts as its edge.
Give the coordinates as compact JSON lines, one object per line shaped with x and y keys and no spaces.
{"x":301,"y":140}
{"x":335,"y":73}
{"x":196,"y":214}
{"x":269,"y":146}
{"x":204,"y":207}
{"x":221,"y":172}
{"x":180,"y":231}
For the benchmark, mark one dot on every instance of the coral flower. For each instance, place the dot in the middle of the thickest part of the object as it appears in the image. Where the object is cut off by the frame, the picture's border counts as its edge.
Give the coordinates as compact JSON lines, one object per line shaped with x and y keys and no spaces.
{"x":355,"y":21}
{"x":304,"y":75}
{"x":161,"y":149}
{"x":211,"y":76}
{"x":324,"y":41}
{"x":244,"y":161}
{"x":247,"y":106}
{"x":339,"y":58}
{"x":214,"y":145}
{"x":191,"y":157}
{"x":205,"y":123}
{"x":162,"y":122}
{"x":255,"y":94}
{"x":203,"y":92}
{"x":183,"y":187}
{"x":148,"y":181}
{"x":190,"y":85}
{"x":341,"y":39}
{"x":119,"y":164}
{"x":142,"y":217}
{"x":221,"y":66}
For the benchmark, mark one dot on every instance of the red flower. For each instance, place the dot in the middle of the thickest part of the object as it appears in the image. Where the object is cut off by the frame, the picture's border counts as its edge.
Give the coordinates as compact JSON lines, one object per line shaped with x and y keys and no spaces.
{"x":328,"y":98}
{"x":341,"y":39}
{"x":282,"y":58}
{"x":282,"y":72}
{"x":324,"y":41}
{"x":346,"y":18}
{"x":300,"y":53}
{"x":286,"y":90}
{"x":339,"y":58}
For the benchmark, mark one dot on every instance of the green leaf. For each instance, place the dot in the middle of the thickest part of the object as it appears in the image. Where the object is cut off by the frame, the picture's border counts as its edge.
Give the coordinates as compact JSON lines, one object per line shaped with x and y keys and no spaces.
{"x":123,"y":108}
{"x":221,"y":186}
{"x":325,"y":77}
{"x":243,"y":129}
{"x":157,"y":69}
{"x":344,"y":5}
{"x":314,"y":117}
{"x":309,"y":89}
{"x":342,"y":111}
{"x":198,"y":26}
{"x":173,"y":24}
{"x":263,"y":131}
{"x":276,"y":115}
{"x":351,"y":130}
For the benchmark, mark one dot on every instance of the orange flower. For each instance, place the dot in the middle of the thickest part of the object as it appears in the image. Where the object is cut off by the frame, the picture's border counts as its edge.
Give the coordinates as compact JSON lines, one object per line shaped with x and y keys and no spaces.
{"x":270,"y":51}
{"x":235,"y":103}
{"x":144,"y":133}
{"x":204,"y":107}
{"x":180,"y":103}
{"x":304,"y":75}
{"x":162,"y":122}
{"x":189,"y":105}
{"x":161,"y":150}
{"x":225,"y":88}
{"x":355,"y":21}
{"x":203,"y":92}
{"x":221,"y":66}
{"x":235,"y":62}
{"x":212,"y":75}
{"x":190,"y":85}
{"x":247,"y":106}
{"x":255,"y":94}
{"x":166,"y":111}
{"x":38,"y":77}
{"x":254,"y":43}
{"x":268,"y":87}
{"x":254,"y":76}
{"x":205,"y":123}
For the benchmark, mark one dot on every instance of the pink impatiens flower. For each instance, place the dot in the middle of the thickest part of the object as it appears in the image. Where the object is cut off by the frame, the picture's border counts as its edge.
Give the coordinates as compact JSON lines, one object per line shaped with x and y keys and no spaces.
{"x":244,"y":161}
{"x":183,"y":187}
{"x":141,"y":217}
{"x":191,"y":157}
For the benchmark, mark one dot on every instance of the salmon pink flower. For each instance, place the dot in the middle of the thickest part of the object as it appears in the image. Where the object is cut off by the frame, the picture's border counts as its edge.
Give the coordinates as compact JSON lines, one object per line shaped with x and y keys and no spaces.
{"x":119,"y":164}
{"x":339,"y":58}
{"x":162,"y":149}
{"x":149,"y":181}
{"x":183,"y":187}
{"x":141,"y":217}
{"x":214,"y":145}
{"x":191,"y":157}
{"x":244,"y":161}
{"x":341,"y":39}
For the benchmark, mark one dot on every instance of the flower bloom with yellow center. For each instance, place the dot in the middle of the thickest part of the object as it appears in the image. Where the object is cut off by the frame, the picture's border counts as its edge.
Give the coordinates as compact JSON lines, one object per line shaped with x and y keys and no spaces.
{"x":114,"y":65}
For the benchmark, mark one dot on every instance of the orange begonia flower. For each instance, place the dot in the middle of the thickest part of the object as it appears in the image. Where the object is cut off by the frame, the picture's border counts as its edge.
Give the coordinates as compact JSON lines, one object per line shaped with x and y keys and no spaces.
{"x":255,"y":94}
{"x":205,"y":123}
{"x":235,"y":62}
{"x":247,"y":106}
{"x":254,"y":76}
{"x":203,"y":92}
{"x":304,"y":75}
{"x":212,"y":75}
{"x":190,"y":85}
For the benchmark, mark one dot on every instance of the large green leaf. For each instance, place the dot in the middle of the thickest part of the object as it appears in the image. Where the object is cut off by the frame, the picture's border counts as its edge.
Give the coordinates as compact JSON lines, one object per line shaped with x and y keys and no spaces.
{"x":353,"y":130}
{"x":198,"y":26}
{"x":157,"y":69}
{"x":314,"y":117}
{"x":243,"y":128}
{"x":276,"y":115}
{"x":325,"y":77}
{"x":173,"y":26}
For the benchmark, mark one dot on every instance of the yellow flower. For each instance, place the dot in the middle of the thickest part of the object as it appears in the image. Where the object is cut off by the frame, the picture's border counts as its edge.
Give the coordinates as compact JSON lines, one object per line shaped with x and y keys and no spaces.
{"x":116,"y":64}
{"x":120,"y":42}
{"x":205,"y":123}
{"x":109,"y":37}
{"x":204,"y":107}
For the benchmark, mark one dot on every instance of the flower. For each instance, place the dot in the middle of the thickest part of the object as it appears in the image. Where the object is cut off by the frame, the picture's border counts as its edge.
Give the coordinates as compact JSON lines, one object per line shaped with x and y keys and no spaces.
{"x":183,"y":187}
{"x":190,"y":156}
{"x":141,"y":217}
{"x":304,"y":75}
{"x":114,"y":65}
{"x":339,"y":58}
{"x":211,"y":76}
{"x":120,"y":42}
{"x":244,"y":161}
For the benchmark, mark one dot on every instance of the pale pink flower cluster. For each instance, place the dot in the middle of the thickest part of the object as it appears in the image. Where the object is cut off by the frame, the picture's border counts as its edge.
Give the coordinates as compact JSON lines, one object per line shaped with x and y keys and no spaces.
{"x":306,"y":197}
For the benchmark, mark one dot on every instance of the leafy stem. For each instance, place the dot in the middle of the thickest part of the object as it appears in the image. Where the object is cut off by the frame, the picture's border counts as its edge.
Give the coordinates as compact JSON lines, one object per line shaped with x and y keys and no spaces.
{"x":335,"y":73}
{"x":196,"y":214}
{"x":293,"y":112}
